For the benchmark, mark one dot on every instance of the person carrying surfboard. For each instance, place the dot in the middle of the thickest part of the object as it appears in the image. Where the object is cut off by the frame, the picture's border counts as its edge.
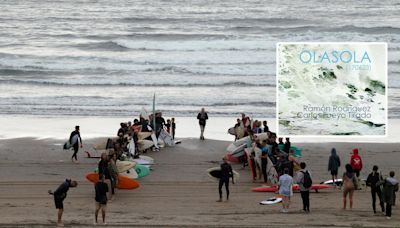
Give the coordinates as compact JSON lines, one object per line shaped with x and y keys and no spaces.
{"x":202,"y":117}
{"x":226,"y":174}
{"x":75,"y":139}
{"x":59,"y":196}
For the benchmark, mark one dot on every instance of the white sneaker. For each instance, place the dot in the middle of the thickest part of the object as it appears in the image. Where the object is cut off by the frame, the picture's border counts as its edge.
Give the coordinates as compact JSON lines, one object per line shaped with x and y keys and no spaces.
{"x":387,"y":217}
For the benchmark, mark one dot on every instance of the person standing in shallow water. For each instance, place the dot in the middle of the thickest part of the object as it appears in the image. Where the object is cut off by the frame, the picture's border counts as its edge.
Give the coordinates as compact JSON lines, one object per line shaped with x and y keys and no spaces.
{"x":202,"y":117}
{"x":75,"y":139}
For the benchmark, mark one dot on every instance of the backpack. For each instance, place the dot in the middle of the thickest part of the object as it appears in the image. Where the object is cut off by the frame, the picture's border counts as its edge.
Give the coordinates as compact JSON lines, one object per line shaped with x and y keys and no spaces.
{"x":307,"y":182}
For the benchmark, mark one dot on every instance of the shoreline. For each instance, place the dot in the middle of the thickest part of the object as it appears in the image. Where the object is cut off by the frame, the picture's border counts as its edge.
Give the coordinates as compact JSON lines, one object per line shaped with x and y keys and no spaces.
{"x":59,"y":128}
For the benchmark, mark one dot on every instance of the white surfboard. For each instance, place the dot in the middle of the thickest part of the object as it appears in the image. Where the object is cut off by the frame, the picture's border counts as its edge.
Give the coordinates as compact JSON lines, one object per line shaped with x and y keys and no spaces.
{"x":337,"y":182}
{"x":147,"y":158}
{"x":272,"y":200}
{"x":123,"y":166}
{"x":143,"y":135}
{"x":131,"y":174}
{"x":144,"y":144}
{"x":273,"y":177}
{"x":166,"y":137}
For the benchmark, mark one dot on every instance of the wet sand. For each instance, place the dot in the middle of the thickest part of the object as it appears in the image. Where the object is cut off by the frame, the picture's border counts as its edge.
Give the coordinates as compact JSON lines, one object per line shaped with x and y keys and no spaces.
{"x":178,"y":192}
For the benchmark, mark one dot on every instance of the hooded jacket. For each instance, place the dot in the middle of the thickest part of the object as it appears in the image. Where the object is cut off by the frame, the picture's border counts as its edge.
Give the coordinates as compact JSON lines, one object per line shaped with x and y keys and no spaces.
{"x":334,"y":161}
{"x":389,"y":188}
{"x":355,"y":160}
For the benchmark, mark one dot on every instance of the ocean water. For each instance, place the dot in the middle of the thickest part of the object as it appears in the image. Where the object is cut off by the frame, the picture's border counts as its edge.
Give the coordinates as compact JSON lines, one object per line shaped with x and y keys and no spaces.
{"x":107,"y":58}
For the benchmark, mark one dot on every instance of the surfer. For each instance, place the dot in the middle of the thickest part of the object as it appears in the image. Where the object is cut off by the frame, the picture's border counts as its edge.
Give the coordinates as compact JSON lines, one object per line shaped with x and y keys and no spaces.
{"x":173,"y":127}
{"x":375,"y":181}
{"x":287,"y":145}
{"x":356,"y":162}
{"x":59,"y":195}
{"x":390,"y":187}
{"x":112,"y":167}
{"x":226,"y":173}
{"x":304,"y":190}
{"x":266,"y":128}
{"x":202,"y":117}
{"x":101,"y":190}
{"x":333,"y":165}
{"x":75,"y":139}
{"x":105,"y":172}
{"x":285,"y":189}
{"x":264,"y":160}
{"x":350,"y":182}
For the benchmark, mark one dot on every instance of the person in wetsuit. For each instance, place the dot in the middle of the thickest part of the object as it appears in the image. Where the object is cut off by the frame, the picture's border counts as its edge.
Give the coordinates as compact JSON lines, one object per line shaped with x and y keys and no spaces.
{"x":375,"y":181}
{"x":74,"y":140}
{"x":226,"y":173}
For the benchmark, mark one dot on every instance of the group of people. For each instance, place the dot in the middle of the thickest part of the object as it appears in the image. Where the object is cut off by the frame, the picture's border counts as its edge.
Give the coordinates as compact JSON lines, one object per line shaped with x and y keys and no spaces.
{"x":383,"y":188}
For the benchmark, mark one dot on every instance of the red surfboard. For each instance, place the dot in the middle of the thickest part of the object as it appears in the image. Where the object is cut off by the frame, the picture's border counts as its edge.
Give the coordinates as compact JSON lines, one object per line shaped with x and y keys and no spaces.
{"x":295,"y":187}
{"x":250,"y":162}
{"x":123,"y":182}
{"x":232,"y":158}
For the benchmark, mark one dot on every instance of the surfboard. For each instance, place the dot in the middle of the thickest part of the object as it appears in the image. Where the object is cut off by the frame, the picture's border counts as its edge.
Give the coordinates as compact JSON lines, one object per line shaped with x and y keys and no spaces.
{"x":123,"y":182}
{"x":143,"y":135}
{"x":272,"y":200}
{"x":338,"y":182}
{"x":145,"y":144}
{"x":295,"y":187}
{"x":131,"y":174}
{"x":166,"y":137}
{"x":232,"y":131}
{"x":251,"y":165}
{"x":123,"y":166}
{"x":257,"y":158}
{"x":142,"y":162}
{"x":67,"y":145}
{"x":147,"y":158}
{"x":231,"y":158}
{"x":89,"y":155}
{"x":215,"y":174}
{"x":273,"y":176}
{"x":237,"y":148}
{"x":142,"y":170}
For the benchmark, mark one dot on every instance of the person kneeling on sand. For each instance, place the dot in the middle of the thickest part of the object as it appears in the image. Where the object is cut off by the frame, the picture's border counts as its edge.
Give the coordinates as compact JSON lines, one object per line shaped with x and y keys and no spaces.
{"x":59,"y":195}
{"x":226,"y":173}
{"x":101,"y":189}
{"x":285,"y":189}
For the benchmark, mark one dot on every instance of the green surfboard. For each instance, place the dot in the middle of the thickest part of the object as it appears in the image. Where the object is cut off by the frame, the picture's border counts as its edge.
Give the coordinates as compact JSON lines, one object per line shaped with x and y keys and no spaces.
{"x":142,"y":170}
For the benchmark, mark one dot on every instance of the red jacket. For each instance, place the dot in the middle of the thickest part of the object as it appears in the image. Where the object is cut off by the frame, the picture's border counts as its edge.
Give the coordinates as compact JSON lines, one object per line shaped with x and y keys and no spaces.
{"x":355,"y":160}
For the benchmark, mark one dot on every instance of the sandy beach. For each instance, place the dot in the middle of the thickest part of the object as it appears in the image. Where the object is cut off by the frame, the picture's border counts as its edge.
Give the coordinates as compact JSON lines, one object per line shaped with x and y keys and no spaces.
{"x":178,"y":193}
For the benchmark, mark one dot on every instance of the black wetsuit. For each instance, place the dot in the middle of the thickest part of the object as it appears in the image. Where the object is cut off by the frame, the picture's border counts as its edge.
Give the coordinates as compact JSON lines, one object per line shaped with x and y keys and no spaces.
{"x":76,"y":145}
{"x":226,"y":173}
{"x":373,"y":181}
{"x":61,"y":193}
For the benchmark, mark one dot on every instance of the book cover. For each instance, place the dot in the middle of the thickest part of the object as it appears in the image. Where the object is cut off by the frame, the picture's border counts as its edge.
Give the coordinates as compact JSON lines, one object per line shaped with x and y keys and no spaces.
{"x":334,"y":89}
